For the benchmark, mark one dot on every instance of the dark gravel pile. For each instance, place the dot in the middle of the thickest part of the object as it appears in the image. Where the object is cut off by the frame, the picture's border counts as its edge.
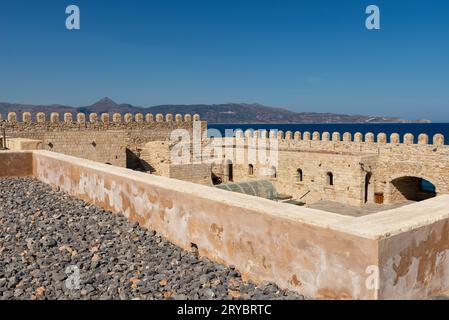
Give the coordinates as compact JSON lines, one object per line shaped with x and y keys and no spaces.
{"x":53,"y":246}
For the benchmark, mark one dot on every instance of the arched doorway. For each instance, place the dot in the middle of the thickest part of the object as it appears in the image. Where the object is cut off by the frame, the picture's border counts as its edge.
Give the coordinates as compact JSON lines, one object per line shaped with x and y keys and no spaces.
{"x":299,"y":175}
{"x":250,"y":170}
{"x":411,"y":188}
{"x":367,"y":186}
{"x":230,"y":171}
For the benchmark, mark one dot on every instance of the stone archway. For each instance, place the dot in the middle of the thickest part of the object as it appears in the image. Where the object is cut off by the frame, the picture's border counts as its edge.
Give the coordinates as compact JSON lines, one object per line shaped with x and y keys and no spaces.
{"x":410,"y":188}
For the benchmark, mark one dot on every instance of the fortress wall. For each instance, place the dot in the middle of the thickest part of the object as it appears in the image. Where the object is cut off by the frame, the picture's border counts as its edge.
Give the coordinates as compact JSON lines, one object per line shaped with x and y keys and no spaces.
{"x":197,"y":173}
{"x":345,"y":140}
{"x":420,"y":157}
{"x":123,"y":141}
{"x":139,"y":128}
{"x":348,"y":177}
{"x":23,"y":144}
{"x":147,"y":147}
{"x":422,"y":163}
{"x":266,"y":241}
{"x":317,"y":253}
{"x":16,"y":163}
{"x":156,"y":157}
{"x":415,"y":263}
{"x":28,"y":121}
{"x":347,"y":172}
{"x":116,"y":139}
{"x":102,"y":146}
{"x":138,"y":136}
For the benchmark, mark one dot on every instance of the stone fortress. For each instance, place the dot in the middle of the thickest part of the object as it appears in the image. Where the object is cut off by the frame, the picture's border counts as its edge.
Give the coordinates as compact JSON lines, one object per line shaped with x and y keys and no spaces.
{"x":405,"y":236}
{"x":312,"y":167}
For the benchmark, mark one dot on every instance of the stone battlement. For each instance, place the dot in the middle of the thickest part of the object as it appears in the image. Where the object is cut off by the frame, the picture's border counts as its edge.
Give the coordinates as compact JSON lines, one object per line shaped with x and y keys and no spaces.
{"x":381,"y":138}
{"x":115,"y":139}
{"x":93,"y":119}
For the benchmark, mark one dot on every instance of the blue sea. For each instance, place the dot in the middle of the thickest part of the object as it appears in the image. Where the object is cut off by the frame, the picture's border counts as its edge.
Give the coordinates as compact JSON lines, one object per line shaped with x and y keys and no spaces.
{"x":388,"y":128}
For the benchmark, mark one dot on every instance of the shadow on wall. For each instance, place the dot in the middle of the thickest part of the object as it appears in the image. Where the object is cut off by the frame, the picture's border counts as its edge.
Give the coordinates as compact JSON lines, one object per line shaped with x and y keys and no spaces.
{"x":412,"y":188}
{"x":134,"y":162}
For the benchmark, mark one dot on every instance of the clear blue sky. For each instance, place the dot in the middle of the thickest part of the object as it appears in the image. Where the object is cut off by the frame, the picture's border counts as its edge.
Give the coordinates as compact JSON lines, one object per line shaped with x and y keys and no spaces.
{"x":303,"y":55}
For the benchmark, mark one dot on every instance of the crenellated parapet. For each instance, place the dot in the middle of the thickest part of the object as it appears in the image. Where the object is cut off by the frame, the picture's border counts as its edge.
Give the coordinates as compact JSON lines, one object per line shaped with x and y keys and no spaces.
{"x":54,"y":120}
{"x":347,"y":137}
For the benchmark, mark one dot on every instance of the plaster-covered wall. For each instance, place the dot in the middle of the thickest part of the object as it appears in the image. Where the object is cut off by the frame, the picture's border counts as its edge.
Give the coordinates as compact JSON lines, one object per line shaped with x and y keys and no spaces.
{"x":415,"y":264}
{"x":265,"y":240}
{"x":15,"y":163}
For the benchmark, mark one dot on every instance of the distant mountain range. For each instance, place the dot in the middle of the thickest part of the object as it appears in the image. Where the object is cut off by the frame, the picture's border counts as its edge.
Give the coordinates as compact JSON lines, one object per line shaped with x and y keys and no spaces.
{"x":230,"y":113}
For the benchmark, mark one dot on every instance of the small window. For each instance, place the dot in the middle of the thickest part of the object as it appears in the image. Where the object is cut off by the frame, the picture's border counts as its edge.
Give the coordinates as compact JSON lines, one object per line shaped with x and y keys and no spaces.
{"x":330,"y":178}
{"x":299,"y":177}
{"x":250,"y":170}
{"x":273,"y":172}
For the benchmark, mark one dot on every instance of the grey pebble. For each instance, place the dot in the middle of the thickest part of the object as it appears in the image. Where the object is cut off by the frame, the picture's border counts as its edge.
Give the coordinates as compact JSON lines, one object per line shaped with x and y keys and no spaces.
{"x":44,"y":231}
